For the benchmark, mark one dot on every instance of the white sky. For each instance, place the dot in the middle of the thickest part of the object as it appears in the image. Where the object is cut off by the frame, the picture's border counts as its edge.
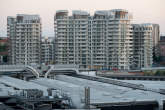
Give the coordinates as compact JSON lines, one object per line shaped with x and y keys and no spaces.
{"x":144,"y":11}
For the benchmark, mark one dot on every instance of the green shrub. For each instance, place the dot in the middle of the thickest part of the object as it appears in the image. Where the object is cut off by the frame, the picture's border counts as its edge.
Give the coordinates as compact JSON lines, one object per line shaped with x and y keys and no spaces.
{"x":160,"y":73}
{"x":3,"y":48}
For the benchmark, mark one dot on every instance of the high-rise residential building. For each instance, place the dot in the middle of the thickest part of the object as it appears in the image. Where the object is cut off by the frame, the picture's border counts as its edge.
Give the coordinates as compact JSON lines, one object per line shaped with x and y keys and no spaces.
{"x":156,"y":38}
{"x":24,"y":32}
{"x":143,"y":45}
{"x":102,"y":41}
{"x":47,"y":50}
{"x":105,"y":41}
{"x":71,"y":34}
{"x":111,"y":40}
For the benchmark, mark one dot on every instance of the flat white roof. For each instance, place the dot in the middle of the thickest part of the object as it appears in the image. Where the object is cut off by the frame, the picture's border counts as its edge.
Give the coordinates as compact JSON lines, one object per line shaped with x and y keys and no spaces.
{"x":21,"y":84}
{"x":103,"y":92}
{"x":149,"y":84}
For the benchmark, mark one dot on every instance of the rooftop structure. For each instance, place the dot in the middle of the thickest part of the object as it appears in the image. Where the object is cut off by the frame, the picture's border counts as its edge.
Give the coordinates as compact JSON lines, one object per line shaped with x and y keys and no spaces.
{"x":23,"y":95}
{"x":101,"y":94}
{"x":105,"y":93}
{"x":21,"y":84}
{"x":79,"y":12}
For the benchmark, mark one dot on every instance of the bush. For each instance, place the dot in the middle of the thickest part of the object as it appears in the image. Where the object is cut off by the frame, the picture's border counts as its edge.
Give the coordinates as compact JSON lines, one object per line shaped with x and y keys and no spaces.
{"x":3,"y":48}
{"x":149,"y":73}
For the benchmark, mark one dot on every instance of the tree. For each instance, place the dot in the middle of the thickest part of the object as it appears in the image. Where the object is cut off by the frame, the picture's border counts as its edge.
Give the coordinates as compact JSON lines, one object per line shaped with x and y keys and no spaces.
{"x":160,"y":73}
{"x":3,"y":47}
{"x":156,"y":58}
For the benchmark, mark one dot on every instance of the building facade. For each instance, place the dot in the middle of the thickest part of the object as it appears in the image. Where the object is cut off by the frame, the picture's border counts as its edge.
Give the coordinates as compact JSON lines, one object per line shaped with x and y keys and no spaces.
{"x":103,"y":41}
{"x":47,"y":50}
{"x":143,"y":45}
{"x":24,"y":32}
{"x":4,"y":50}
{"x":161,"y":48}
{"x":111,"y":40}
{"x":71,"y":34}
{"x":155,"y":38}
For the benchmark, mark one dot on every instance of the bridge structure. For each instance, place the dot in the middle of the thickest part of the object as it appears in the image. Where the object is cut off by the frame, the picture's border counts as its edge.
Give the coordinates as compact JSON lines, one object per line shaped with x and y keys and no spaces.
{"x":19,"y":68}
{"x":64,"y":69}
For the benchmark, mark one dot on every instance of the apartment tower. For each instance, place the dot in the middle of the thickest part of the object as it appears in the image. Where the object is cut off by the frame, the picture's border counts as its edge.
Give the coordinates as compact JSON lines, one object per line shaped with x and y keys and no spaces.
{"x":102,"y":41}
{"x":71,"y":34}
{"x":155,"y":38}
{"x":143,"y":45}
{"x":24,"y":32}
{"x":111,"y":40}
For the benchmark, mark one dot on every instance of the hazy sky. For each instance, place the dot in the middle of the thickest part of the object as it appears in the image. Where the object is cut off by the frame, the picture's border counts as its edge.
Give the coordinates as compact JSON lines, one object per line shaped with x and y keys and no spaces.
{"x":144,"y":11}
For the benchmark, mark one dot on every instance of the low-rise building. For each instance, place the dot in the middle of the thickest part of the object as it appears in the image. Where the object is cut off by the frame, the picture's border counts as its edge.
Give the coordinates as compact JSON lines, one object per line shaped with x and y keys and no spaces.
{"x":4,"y":50}
{"x":161,"y":48}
